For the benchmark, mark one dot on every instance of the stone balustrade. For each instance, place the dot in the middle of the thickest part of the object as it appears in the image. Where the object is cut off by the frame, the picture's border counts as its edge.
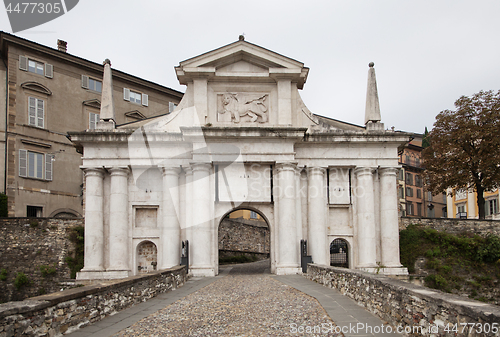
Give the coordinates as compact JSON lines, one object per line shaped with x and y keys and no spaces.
{"x":417,"y":310}
{"x":62,"y":312}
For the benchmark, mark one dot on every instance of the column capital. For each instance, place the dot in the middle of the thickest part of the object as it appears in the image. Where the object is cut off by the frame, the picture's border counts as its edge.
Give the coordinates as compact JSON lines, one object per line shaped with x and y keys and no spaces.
{"x":170,"y":170}
{"x":118,"y":171}
{"x":315,"y":170}
{"x":201,"y":167}
{"x":94,"y":171}
{"x":287,"y":166}
{"x":388,"y":170}
{"x":364,"y":170}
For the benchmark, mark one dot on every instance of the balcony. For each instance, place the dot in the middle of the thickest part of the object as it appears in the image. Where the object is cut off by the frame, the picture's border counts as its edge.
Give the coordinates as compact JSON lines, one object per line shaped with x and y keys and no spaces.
{"x":412,"y":163}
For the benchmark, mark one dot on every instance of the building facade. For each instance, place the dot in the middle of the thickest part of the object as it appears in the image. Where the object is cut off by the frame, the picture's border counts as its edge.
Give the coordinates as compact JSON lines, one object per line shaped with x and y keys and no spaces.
{"x":414,"y":199}
{"x":46,"y":92}
{"x":241,"y":138}
{"x":462,"y":204}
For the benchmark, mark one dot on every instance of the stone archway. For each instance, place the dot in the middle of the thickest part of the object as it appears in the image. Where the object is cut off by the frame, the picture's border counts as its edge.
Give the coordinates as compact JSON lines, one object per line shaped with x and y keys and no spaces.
{"x":147,"y":257}
{"x":243,"y":236}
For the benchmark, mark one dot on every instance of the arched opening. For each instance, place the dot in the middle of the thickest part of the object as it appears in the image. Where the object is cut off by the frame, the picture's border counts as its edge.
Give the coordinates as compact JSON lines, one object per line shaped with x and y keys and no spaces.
{"x":339,"y":253}
{"x":243,"y":236}
{"x":147,"y":254}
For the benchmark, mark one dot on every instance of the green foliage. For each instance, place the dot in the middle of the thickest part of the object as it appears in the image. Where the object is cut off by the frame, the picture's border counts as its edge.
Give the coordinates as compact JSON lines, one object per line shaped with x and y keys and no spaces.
{"x":237,"y":259}
{"x":450,"y":257}
{"x":21,"y":280}
{"x":425,"y":139}
{"x":47,"y":270}
{"x":436,"y":282}
{"x":34,"y":224}
{"x":461,"y":145}
{"x":75,"y":259}
{"x":4,"y":209}
{"x":3,"y":274}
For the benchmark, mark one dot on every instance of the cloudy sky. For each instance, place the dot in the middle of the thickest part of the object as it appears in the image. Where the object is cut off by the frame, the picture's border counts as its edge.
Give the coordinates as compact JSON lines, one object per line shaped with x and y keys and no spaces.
{"x":426,"y":53}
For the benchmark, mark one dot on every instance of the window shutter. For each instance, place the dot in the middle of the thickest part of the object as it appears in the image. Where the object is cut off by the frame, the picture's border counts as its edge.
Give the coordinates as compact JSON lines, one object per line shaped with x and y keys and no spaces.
{"x":40,"y":112}
{"x":23,"y":163}
{"x":126,"y":94}
{"x":145,"y":99}
{"x":49,"y":70}
{"x":93,"y":119}
{"x":85,"y":82}
{"x":32,"y":111}
{"x":23,"y":63}
{"x":48,"y":166}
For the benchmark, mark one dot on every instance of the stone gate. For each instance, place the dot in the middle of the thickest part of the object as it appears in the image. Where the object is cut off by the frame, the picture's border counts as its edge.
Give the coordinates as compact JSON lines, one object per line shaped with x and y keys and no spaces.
{"x":240,"y":138}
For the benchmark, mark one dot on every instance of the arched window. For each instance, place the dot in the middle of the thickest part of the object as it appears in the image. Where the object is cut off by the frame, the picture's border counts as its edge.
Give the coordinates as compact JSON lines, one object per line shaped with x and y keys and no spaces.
{"x":339,"y":253}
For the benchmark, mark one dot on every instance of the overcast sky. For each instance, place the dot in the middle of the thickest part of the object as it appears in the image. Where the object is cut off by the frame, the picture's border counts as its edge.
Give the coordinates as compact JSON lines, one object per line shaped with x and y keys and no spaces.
{"x":427,"y":53}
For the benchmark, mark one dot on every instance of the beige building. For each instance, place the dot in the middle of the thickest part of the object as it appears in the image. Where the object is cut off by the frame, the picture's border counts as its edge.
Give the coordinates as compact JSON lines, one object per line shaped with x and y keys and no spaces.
{"x":45,"y":93}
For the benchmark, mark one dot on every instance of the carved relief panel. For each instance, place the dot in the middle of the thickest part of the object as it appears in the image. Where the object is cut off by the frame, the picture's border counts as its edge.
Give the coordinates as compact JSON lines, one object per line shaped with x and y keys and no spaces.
{"x":242,"y":107}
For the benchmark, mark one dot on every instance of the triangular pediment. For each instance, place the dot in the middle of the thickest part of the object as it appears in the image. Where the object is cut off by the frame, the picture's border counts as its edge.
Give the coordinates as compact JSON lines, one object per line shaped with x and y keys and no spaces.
{"x":242,"y":66}
{"x":94,"y":103}
{"x":135,"y":114}
{"x":242,"y":50}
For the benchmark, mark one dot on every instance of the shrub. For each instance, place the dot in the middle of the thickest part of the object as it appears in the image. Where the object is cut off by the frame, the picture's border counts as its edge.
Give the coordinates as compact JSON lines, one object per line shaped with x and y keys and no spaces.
{"x":75,"y":262}
{"x":3,"y":274}
{"x":47,"y":270}
{"x":21,"y":280}
{"x":436,"y":282}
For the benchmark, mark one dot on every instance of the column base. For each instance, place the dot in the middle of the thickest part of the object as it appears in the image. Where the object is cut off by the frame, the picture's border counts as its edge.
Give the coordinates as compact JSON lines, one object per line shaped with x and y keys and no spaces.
{"x":201,"y":271}
{"x":386,"y":271}
{"x":102,"y":274}
{"x":288,"y":270}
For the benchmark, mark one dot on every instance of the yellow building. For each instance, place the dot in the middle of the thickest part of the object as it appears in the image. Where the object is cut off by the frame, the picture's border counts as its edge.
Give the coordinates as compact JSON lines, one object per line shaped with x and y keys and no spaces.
{"x":463,"y":204}
{"x":245,"y":214}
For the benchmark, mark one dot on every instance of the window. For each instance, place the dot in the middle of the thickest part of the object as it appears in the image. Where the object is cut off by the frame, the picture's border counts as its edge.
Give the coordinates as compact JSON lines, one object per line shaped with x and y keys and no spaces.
{"x":93,"y":119}
{"x":34,"y":211}
{"x":419,"y":209}
{"x":401,"y":192}
{"x":429,"y":196}
{"x":409,"y":178}
{"x":431,"y":213}
{"x":461,"y":211}
{"x":445,"y":212}
{"x":491,"y":206}
{"x":409,"y":192}
{"x":419,"y":193}
{"x":409,"y":208}
{"x":36,"y":67}
{"x":135,"y":97}
{"x":253,"y":215}
{"x":418,"y":181}
{"x":36,"y":108}
{"x":401,"y":174}
{"x":35,"y":165}
{"x":91,"y":84}
{"x":171,"y":106}
{"x":460,"y":194}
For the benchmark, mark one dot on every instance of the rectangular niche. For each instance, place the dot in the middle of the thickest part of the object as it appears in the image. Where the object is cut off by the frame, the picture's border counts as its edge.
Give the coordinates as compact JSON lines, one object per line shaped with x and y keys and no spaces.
{"x":146,"y":216}
{"x":339,"y":186}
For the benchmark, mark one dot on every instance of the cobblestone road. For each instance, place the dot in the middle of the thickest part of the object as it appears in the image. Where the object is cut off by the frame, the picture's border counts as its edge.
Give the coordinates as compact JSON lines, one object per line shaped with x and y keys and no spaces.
{"x":247,"y":302}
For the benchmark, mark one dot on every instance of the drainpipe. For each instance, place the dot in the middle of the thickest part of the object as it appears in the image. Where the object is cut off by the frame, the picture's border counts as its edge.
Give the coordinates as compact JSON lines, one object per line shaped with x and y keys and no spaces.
{"x":6,"y":124}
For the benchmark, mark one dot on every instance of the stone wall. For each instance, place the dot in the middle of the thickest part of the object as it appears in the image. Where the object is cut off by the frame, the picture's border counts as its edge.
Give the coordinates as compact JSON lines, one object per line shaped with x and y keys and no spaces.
{"x":26,"y":244}
{"x":454,"y":226}
{"x":68,"y":310}
{"x":410,"y":307}
{"x":238,"y":236}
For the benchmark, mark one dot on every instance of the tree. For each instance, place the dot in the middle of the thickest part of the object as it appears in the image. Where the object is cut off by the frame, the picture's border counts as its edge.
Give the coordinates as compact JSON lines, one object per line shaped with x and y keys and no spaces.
{"x":425,"y":139}
{"x":464,"y":149}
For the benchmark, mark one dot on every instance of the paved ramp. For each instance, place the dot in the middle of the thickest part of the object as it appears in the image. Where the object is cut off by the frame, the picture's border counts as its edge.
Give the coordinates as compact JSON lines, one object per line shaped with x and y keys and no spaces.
{"x":244,"y":300}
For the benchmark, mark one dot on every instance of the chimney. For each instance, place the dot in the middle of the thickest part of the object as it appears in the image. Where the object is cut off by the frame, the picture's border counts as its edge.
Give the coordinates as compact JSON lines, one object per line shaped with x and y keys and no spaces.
{"x":62,"y":45}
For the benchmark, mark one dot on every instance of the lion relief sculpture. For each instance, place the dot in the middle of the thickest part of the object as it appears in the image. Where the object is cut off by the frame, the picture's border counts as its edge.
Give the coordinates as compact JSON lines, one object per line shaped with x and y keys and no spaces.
{"x":236,"y":107}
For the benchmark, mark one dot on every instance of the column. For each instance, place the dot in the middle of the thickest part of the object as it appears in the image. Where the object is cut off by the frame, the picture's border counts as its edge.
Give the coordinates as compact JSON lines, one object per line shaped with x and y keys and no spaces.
{"x":389,"y":229}
{"x":366,"y":217}
{"x":287,"y":229}
{"x":316,"y":239}
{"x":201,"y":246}
{"x":94,"y":220}
{"x":119,"y":256}
{"x":171,"y":230}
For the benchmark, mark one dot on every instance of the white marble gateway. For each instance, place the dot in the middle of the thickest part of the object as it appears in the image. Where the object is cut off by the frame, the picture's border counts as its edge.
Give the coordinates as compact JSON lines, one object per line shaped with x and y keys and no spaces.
{"x":240,"y":138}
